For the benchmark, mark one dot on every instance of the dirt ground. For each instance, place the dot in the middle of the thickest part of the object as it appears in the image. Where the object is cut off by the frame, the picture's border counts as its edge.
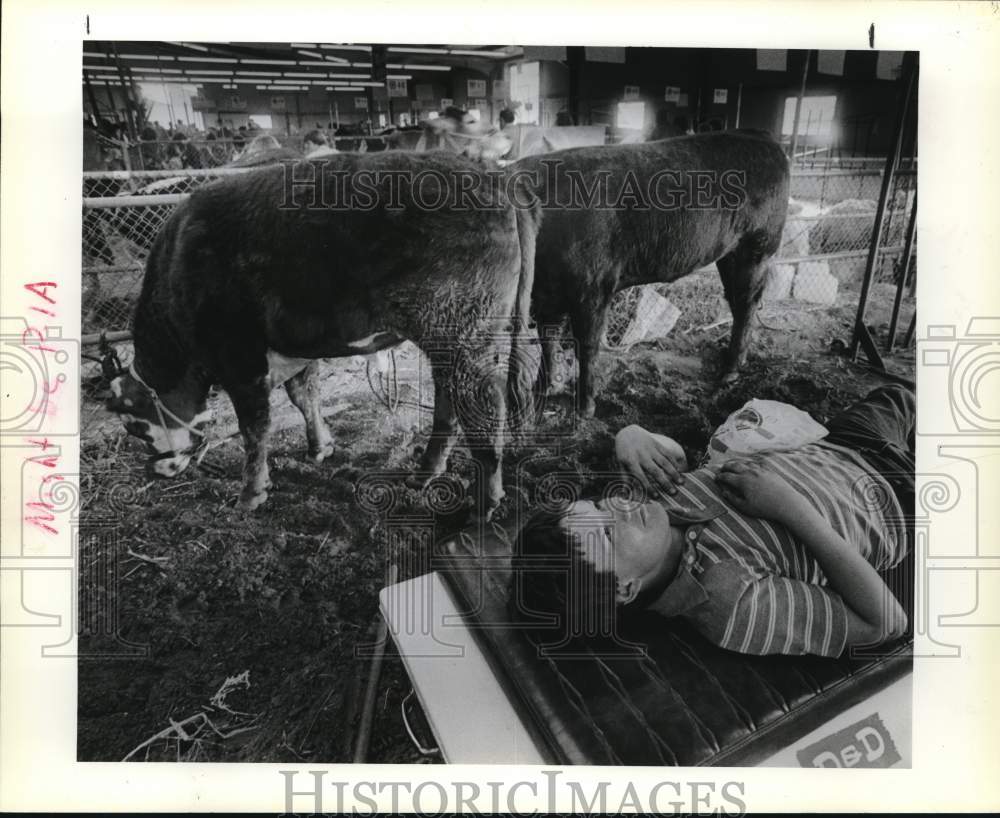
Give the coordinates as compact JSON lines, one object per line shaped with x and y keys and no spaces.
{"x":246,"y":625}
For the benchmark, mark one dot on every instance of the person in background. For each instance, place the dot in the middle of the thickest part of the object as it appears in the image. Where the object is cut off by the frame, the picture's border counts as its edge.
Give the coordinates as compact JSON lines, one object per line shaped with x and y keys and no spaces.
{"x":149,"y":151}
{"x":507,"y":117}
{"x":315,"y":144}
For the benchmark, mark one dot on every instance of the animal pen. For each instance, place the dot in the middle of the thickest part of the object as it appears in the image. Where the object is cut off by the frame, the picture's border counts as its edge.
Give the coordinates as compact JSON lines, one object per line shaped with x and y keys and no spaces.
{"x":239,"y":628}
{"x":819,"y":268}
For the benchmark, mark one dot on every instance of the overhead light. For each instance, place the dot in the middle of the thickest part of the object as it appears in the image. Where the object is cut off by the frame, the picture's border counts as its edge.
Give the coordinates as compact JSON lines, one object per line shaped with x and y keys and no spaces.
{"x":368,"y":84}
{"x":97,"y":54}
{"x":407,"y":50}
{"x":283,"y":87}
{"x":260,"y":73}
{"x":400,"y":77}
{"x":299,"y":74}
{"x":206,"y":71}
{"x":188,"y":45}
{"x":97,"y":67}
{"x":342,"y":47}
{"x":302,"y":45}
{"x":338,"y":60}
{"x":208,"y":59}
{"x":107,"y":77}
{"x":361,"y":65}
{"x":471,"y":53}
{"x":139,"y":56}
{"x":315,"y":54}
{"x":229,"y":87}
{"x":423,"y":67}
{"x":247,"y":61}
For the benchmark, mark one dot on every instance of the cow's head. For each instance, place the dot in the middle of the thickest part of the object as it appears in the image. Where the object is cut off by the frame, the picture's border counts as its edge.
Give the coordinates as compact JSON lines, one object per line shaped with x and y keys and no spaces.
{"x":171,"y":425}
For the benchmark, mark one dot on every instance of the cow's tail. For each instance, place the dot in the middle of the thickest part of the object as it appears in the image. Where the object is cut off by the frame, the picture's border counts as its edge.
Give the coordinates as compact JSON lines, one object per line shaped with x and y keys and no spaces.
{"x":524,"y":353}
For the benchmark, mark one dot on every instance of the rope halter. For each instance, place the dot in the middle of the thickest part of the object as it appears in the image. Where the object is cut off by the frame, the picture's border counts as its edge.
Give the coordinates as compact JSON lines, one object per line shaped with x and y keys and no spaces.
{"x":163,"y":412}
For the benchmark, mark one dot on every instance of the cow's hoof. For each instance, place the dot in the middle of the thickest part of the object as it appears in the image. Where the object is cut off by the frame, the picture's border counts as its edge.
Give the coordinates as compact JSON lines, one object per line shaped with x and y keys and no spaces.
{"x":322,"y":453}
{"x":250,"y":500}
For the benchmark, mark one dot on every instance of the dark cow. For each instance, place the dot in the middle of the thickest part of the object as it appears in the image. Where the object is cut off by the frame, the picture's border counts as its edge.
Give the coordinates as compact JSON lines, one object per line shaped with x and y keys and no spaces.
{"x":665,"y":209}
{"x":246,"y":289}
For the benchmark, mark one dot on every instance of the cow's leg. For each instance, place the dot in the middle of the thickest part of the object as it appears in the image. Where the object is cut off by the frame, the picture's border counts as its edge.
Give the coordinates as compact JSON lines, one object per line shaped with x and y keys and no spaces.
{"x":549,"y":328}
{"x":743,"y":274}
{"x":481,"y":405}
{"x":445,"y":429}
{"x":589,"y":320}
{"x":303,"y":390}
{"x":253,"y":411}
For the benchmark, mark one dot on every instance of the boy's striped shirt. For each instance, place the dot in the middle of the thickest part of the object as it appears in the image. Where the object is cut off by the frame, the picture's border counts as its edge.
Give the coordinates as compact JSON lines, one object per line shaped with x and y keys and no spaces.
{"x":750,"y":586}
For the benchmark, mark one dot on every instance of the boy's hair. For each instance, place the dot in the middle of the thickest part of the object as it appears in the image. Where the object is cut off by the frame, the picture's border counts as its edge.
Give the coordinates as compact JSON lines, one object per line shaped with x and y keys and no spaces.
{"x":557,"y":590}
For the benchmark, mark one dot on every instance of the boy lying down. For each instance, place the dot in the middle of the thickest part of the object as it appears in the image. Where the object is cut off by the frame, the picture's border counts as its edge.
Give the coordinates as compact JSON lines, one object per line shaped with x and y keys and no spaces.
{"x":775,"y":553}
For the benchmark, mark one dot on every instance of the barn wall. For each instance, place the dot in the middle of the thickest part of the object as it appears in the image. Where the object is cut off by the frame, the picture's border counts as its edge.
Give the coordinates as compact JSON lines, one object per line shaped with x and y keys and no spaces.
{"x":865,"y":105}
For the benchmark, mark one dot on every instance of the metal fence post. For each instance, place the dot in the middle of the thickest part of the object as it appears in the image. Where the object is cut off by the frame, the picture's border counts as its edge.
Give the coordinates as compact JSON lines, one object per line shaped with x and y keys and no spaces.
{"x":861,"y":337}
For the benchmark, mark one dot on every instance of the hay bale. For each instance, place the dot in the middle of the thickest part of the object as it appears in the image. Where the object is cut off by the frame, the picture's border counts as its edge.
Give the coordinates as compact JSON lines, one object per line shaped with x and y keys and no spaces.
{"x":836,"y":231}
{"x":779,"y":282}
{"x":814,"y":283}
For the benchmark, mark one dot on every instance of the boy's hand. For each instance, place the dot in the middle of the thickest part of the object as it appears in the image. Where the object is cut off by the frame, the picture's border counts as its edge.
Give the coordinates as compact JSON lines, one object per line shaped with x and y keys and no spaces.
{"x":655,"y":464}
{"x":759,"y":493}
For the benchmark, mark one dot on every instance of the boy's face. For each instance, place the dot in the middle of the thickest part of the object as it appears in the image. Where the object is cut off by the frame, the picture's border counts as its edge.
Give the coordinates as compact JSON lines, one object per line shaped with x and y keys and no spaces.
{"x":633,"y":539}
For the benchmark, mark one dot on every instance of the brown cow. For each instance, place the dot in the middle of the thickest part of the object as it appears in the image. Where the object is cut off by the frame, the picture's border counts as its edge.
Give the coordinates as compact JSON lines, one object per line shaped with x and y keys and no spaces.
{"x":253,"y":279}
{"x":620,"y":215}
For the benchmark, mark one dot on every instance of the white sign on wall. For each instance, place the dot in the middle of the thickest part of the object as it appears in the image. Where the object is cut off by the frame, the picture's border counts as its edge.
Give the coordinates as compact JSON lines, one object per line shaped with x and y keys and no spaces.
{"x":446,"y":103}
{"x":361,"y":103}
{"x":721,"y":96}
{"x":476,"y":88}
{"x":237,"y":103}
{"x":397,"y":88}
{"x":672,"y":94}
{"x":277,"y":103}
{"x":631,"y":93}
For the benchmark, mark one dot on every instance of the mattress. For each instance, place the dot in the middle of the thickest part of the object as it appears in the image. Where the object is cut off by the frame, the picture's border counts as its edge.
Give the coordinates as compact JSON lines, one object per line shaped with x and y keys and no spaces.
{"x":678,"y":699}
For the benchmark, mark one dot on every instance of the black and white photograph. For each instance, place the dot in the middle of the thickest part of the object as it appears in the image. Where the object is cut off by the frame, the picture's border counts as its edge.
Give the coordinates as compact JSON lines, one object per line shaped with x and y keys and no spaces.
{"x":475,"y":408}
{"x":497,"y":404}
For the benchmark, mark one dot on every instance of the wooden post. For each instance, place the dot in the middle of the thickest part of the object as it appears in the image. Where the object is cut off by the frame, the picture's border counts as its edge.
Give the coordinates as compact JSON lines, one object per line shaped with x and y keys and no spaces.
{"x":129,"y":101}
{"x":798,"y":107}
{"x":576,"y":56}
{"x":911,"y":230}
{"x":91,"y":98}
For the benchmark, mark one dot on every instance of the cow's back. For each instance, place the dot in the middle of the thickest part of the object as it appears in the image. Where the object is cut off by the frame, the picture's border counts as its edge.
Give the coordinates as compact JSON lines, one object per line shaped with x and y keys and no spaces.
{"x":354,"y":253}
{"x":641,"y":238}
